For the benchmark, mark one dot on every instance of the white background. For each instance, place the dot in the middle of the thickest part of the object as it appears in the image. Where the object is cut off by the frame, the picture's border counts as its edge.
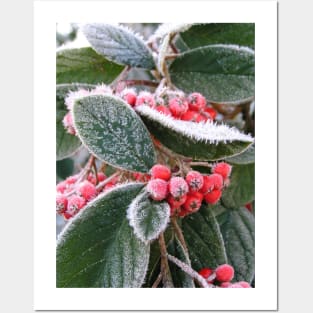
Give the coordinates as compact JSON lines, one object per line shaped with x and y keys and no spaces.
{"x":264,"y":296}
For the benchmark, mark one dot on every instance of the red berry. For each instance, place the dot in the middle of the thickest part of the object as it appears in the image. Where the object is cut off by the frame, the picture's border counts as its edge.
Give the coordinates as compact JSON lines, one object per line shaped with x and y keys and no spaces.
{"x":68,"y":123}
{"x":192,"y":203}
{"x":67,"y":215}
{"x":194,"y":180}
{"x":211,"y":111}
{"x":178,"y":187}
{"x":249,"y":207}
{"x":74,"y":204}
{"x":183,"y":212}
{"x":224,"y":273}
{"x":223,"y":169}
{"x":108,"y":186}
{"x":191,"y":116}
{"x":87,"y":190}
{"x":175,"y":203}
{"x":196,"y":101}
{"x":101,"y":177}
{"x":61,"y":203}
{"x":160,"y":171}
{"x":178,"y":106}
{"x":145,"y":98}
{"x":130,"y":96}
{"x":163,"y":109}
{"x":157,"y":188}
{"x":201,"y":118}
{"x":206,"y":273}
{"x":61,"y":187}
{"x":213,"y":196}
{"x":213,"y":181}
{"x":71,"y":180}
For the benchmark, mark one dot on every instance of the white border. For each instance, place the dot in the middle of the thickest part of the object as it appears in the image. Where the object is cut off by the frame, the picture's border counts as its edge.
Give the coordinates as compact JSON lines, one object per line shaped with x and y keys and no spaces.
{"x":264,"y":296}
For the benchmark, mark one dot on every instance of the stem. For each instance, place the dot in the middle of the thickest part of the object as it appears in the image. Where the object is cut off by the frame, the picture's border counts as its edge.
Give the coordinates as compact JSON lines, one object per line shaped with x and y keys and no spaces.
{"x":187,"y":269}
{"x":171,"y":56}
{"x":102,"y":184}
{"x":120,"y":77}
{"x":134,"y":82}
{"x":157,"y":281}
{"x":205,"y":164}
{"x":179,"y":233}
{"x":165,"y":269}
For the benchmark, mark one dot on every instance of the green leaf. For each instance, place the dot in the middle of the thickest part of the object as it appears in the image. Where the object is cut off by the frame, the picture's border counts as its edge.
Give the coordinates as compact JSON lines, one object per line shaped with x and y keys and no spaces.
{"x":119,"y":44}
{"x":84,"y":65}
{"x":201,"y":141}
{"x":147,"y":217}
{"x":241,"y":188}
{"x":66,"y":144}
{"x":246,"y":157}
{"x":222,"y":73}
{"x":241,"y":34}
{"x":237,"y":227}
{"x":180,"y":278}
{"x":64,"y":168}
{"x":204,"y":239}
{"x":114,"y":133}
{"x":98,"y":248}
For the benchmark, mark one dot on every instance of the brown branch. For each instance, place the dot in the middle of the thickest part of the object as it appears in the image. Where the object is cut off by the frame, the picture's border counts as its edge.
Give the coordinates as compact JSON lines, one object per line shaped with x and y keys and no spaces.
{"x":157,"y":281}
{"x":103,"y":183}
{"x":165,"y":269}
{"x":179,"y":233}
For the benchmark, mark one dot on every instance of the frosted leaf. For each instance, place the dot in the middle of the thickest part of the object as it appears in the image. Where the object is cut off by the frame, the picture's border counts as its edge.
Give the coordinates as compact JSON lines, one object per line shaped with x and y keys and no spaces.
{"x":119,"y":44}
{"x":147,"y":217}
{"x":98,"y":248}
{"x":113,"y":132}
{"x":202,"y":141}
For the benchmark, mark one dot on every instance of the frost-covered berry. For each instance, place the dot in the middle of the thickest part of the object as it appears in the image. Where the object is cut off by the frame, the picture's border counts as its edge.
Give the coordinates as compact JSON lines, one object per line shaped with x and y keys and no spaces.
{"x":157,"y":188}
{"x":129,"y":95}
{"x":160,"y":171}
{"x":74,"y":204}
{"x":225,"y":284}
{"x":223,"y":169}
{"x":61,"y":187}
{"x":146,"y":98}
{"x":101,"y":177}
{"x":68,"y":123}
{"x":67,"y":215}
{"x":71,"y":180}
{"x":178,"y":187}
{"x":101,"y":89}
{"x":210,"y":182}
{"x":163,"y":109}
{"x":178,"y":106}
{"x":192,"y":203}
{"x":87,"y":190}
{"x":224,"y":273}
{"x":74,"y":95}
{"x":213,"y":196}
{"x":61,"y":203}
{"x":194,"y":180}
{"x":196,"y":101}
{"x":206,"y":272}
{"x":109,"y":186}
{"x":244,"y":284}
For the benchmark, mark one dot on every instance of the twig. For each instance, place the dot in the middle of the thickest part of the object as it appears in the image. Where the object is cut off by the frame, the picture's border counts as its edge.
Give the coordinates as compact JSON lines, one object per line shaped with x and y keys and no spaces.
{"x":205,"y":164}
{"x":171,"y":56}
{"x":157,"y":281}
{"x":179,"y":233}
{"x":103,"y":183}
{"x":165,"y":269}
{"x":187,"y":269}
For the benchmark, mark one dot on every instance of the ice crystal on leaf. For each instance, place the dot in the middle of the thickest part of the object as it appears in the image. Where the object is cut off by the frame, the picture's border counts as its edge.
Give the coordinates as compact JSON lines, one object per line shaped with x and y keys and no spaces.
{"x":204,"y":131}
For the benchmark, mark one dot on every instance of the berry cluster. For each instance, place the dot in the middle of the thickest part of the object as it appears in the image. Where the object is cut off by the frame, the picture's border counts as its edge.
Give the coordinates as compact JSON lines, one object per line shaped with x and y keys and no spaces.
{"x":73,"y":195}
{"x":222,"y":277}
{"x":192,"y":107}
{"x":185,"y":195}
